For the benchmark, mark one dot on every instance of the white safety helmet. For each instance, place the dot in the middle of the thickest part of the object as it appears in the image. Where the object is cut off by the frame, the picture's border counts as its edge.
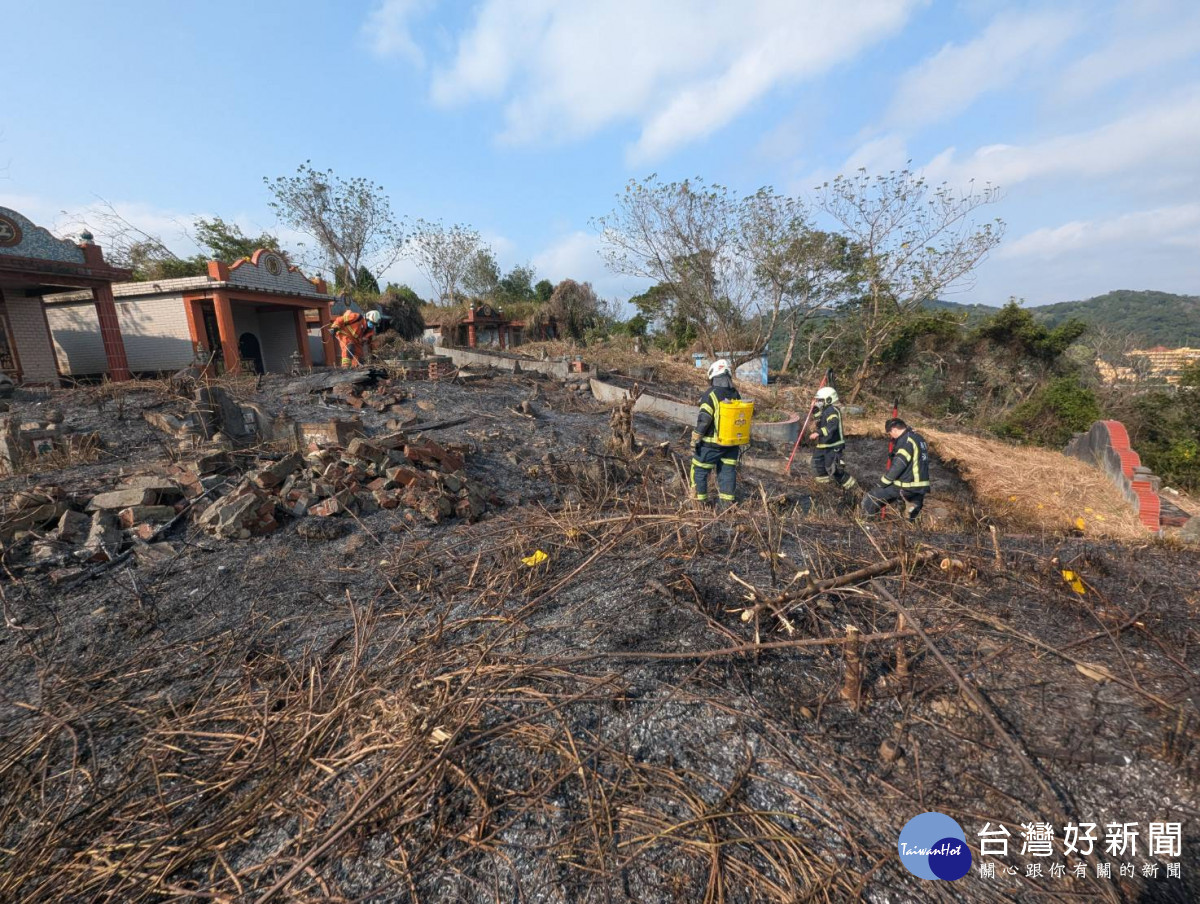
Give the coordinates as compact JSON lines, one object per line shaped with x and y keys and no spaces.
{"x":827,"y":395}
{"x":718,"y":367}
{"x":373,"y":318}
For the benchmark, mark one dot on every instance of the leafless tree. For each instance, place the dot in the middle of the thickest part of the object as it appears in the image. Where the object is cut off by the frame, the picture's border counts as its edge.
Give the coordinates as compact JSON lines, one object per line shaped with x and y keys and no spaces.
{"x":444,"y":255}
{"x":915,"y":241}
{"x":350,"y":219}
{"x":685,"y":236}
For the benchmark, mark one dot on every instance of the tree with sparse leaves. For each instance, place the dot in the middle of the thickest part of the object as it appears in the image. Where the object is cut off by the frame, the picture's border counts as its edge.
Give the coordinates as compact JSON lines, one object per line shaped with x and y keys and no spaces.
{"x":227,"y":243}
{"x":684,"y":236}
{"x":914,"y":239}
{"x":482,"y":277}
{"x":350,"y":219}
{"x":444,"y":255}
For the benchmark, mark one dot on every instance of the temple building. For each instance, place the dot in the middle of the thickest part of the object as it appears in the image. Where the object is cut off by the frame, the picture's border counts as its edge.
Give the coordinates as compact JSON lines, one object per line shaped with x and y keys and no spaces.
{"x":259,"y":315}
{"x":34,"y":264}
{"x":482,"y":326}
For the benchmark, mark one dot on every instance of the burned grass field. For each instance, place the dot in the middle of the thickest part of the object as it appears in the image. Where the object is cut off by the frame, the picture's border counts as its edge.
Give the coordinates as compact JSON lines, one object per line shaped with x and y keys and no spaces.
{"x":665,"y":705}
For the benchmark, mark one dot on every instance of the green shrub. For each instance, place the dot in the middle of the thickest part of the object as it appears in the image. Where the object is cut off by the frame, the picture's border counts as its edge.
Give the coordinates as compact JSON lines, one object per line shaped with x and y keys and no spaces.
{"x":1057,"y":411}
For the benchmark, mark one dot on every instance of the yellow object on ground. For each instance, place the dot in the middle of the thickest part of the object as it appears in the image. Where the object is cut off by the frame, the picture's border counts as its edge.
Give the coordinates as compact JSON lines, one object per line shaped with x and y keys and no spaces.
{"x":733,"y":423}
{"x":536,"y":559}
{"x":1074,"y":582}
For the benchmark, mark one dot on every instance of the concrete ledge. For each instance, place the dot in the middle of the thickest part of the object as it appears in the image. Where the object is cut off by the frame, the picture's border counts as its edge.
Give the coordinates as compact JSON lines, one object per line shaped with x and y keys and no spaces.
{"x":1106,"y":446}
{"x":779,"y":433}
{"x":468,"y":357}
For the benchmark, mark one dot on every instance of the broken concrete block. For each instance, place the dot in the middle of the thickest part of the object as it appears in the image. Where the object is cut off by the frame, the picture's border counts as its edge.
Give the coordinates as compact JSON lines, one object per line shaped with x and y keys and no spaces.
{"x":211,"y":463}
{"x":276,"y":473}
{"x":72,"y":527}
{"x":243,"y":513}
{"x":452,"y":483}
{"x":164,"y":487}
{"x":103,"y":541}
{"x":367,"y":451}
{"x":115,"y":500}
{"x":146,"y":514}
{"x":390,"y":441}
{"x":38,"y":496}
{"x":331,"y":433}
{"x":30,"y":518}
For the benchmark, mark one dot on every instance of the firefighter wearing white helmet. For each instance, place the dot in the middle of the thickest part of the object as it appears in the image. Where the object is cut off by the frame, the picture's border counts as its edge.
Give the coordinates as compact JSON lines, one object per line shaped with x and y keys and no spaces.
{"x":709,"y":456}
{"x":355,"y":334}
{"x":830,"y":440}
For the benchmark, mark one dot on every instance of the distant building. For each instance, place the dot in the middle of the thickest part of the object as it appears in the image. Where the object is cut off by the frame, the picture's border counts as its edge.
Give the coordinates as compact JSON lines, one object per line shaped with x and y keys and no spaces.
{"x":259,"y":314}
{"x":482,"y":326}
{"x":1168,"y":363}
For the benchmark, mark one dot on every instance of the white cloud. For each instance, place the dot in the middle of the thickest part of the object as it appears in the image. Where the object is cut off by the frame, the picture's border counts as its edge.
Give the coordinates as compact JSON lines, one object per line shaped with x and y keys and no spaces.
{"x":577,"y":256}
{"x":1171,"y":34}
{"x":682,"y":69}
{"x":1162,"y":142}
{"x":1176,"y":226}
{"x":952,"y":79}
{"x":388,"y":29}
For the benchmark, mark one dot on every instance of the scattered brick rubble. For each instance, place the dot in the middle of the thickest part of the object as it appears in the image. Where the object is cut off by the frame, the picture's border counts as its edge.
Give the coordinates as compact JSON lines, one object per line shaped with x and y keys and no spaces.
{"x":423,"y":481}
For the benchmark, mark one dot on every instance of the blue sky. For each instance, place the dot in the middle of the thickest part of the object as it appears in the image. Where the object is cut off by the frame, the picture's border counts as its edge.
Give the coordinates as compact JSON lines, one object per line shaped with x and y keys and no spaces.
{"x":524,"y":118}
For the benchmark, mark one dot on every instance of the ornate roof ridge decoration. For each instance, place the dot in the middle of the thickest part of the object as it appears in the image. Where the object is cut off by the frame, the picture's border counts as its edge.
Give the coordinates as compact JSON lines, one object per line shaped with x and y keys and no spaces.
{"x":21,"y":237}
{"x":267,"y":268}
{"x":256,"y":258}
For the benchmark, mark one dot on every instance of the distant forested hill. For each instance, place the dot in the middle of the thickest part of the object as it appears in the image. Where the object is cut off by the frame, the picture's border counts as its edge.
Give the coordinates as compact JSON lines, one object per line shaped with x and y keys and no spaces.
{"x":1155,"y":318}
{"x":1159,"y":318}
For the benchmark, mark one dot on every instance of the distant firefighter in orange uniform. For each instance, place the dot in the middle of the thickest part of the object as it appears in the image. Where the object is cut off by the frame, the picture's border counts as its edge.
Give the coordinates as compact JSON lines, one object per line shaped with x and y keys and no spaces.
{"x":355,"y":333}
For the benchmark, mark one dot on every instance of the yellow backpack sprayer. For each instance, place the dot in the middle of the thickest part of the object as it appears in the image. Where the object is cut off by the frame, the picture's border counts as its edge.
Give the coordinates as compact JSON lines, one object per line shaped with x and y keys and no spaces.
{"x":734,"y":419}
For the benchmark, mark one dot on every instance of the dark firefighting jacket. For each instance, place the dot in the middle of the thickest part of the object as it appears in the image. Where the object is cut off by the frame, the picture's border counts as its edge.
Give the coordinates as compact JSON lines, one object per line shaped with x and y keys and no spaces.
{"x":722,"y":390}
{"x":829,"y":428}
{"x":910,"y":463}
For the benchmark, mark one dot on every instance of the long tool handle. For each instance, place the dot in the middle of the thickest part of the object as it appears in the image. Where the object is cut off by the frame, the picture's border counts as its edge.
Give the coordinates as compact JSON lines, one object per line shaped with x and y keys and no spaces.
{"x":825,"y":381}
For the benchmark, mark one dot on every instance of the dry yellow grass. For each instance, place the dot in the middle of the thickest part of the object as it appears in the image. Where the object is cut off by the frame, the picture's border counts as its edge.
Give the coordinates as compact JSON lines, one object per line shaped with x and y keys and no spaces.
{"x":1038,"y":488}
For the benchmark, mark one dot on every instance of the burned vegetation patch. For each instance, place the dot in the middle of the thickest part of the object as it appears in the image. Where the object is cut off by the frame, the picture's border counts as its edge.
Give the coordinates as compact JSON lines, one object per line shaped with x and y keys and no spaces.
{"x":593,"y":691}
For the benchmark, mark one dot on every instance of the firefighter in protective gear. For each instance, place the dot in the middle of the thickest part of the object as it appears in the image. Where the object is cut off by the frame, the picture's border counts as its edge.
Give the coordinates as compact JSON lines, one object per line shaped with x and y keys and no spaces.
{"x":709,"y":456}
{"x":907,"y":480}
{"x":355,"y":333}
{"x":830,"y":440}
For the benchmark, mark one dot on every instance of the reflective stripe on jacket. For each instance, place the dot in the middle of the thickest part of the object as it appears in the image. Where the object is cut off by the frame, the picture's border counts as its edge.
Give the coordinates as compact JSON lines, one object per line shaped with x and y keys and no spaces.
{"x":353,"y":325}
{"x":910,"y":464}
{"x":829,"y":428}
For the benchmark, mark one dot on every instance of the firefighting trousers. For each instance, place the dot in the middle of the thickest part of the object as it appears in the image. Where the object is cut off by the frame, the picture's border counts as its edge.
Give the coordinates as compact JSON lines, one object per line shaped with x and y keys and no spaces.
{"x":352,"y":351}
{"x":723,"y":460}
{"x":878,"y":497}
{"x":827,"y":466}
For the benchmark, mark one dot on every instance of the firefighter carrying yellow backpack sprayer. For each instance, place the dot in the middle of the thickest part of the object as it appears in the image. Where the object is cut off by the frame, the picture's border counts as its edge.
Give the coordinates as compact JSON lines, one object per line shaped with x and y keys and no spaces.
{"x":722,"y":429}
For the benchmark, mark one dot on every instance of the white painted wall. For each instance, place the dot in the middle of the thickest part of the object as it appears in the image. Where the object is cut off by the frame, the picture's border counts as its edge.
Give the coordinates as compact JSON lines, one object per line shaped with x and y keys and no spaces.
{"x":155,"y":332}
{"x":277,"y":332}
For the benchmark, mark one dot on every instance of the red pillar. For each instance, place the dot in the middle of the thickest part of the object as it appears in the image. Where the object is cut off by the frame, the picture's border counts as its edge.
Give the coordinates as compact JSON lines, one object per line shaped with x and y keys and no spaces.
{"x":227,"y":331}
{"x":302,"y":337}
{"x":110,"y":333}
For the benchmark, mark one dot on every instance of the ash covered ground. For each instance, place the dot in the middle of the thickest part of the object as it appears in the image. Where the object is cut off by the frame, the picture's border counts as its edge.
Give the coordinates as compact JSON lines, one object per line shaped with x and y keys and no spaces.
{"x":661,"y":707}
